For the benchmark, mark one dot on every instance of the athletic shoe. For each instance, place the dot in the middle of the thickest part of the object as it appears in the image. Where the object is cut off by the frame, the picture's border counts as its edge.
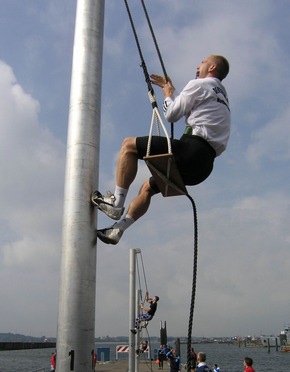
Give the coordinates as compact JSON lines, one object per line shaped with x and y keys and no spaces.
{"x":134,"y":330}
{"x":105,"y":203}
{"x":110,"y":235}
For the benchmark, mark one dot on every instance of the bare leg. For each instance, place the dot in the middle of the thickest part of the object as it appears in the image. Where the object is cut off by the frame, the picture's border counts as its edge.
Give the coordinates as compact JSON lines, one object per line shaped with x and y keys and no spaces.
{"x":137,"y":208}
{"x":139,"y":205}
{"x":127,"y":164}
{"x":126,"y":172}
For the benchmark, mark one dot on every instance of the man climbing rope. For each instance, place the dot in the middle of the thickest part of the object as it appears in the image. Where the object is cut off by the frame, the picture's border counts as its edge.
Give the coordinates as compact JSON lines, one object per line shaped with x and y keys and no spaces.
{"x":204,"y":103}
{"x":147,"y":313}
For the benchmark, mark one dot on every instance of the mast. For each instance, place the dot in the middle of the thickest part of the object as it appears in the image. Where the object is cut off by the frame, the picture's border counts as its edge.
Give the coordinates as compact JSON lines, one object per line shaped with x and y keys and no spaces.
{"x":132,"y":308}
{"x":76,"y":316}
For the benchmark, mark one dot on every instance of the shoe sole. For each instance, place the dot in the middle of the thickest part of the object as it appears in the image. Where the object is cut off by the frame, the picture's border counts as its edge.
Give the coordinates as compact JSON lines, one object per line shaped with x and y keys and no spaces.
{"x":116,"y":218}
{"x":106,"y":239}
{"x":98,"y":203}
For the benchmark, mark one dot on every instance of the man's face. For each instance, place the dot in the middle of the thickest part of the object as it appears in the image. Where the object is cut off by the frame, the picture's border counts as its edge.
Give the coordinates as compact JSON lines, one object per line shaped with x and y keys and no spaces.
{"x":203,"y":69}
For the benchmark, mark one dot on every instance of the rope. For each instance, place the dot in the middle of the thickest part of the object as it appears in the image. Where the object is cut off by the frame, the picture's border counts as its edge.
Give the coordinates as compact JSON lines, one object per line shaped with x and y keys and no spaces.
{"x":144,"y":67}
{"x":155,"y":41}
{"x":139,"y":281}
{"x":144,"y":272}
{"x":194,"y":280}
{"x":193,"y":288}
{"x":143,"y":64}
{"x":148,"y":365}
{"x":139,"y":278}
{"x":159,"y":54}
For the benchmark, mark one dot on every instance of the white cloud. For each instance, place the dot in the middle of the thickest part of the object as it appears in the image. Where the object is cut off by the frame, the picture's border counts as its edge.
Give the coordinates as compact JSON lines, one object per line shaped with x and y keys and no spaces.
{"x":32,"y":168}
{"x":272,"y":141}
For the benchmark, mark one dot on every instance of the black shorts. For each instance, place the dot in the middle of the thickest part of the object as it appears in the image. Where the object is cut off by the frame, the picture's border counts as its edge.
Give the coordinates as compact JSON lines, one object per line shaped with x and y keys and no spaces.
{"x":193,"y":155}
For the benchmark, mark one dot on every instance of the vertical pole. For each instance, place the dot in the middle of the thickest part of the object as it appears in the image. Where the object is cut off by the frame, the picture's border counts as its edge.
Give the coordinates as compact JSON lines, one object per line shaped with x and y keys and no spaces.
{"x":76,"y":316}
{"x":132,"y":305}
{"x":177,"y":346}
{"x":137,"y":336}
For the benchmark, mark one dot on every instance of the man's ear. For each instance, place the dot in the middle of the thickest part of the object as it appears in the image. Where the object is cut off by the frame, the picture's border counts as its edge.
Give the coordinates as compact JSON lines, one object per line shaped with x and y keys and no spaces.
{"x":212,"y":68}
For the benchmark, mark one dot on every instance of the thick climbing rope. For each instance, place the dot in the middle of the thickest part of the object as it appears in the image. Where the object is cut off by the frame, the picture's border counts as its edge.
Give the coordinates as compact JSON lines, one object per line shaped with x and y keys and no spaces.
{"x":195,"y":235}
{"x":193,"y":287}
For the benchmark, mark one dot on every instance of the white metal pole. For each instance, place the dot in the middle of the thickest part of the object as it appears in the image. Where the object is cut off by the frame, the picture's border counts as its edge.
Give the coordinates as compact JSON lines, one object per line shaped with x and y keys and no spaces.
{"x":132,"y":306}
{"x":137,"y":336}
{"x":76,"y":316}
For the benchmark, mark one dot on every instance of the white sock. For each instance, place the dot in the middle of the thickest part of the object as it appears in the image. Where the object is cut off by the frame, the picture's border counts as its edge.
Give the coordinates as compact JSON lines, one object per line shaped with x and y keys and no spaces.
{"x":120,"y":195}
{"x":124,"y":223}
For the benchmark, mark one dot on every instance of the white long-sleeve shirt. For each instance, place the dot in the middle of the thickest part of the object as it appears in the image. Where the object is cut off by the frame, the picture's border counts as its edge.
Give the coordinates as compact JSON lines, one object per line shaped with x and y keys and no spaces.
{"x":205,"y":105}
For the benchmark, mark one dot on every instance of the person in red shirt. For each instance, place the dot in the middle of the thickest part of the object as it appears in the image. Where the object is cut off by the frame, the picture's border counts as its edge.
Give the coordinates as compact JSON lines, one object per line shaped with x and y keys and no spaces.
{"x":248,"y":362}
{"x":53,"y":361}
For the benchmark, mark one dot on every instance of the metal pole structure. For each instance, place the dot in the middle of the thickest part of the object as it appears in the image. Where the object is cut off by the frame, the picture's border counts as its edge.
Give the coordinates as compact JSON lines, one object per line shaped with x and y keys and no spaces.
{"x":132,"y":306}
{"x":76,"y":316}
{"x":137,"y":336}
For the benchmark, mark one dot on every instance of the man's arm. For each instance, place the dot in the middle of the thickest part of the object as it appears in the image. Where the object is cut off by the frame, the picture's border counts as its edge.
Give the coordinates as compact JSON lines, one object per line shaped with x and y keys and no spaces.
{"x":147,"y":299}
{"x":145,"y":308}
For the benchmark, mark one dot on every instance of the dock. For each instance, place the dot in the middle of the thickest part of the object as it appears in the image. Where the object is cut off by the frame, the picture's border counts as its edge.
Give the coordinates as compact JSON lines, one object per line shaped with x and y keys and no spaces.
{"x":123,"y":366}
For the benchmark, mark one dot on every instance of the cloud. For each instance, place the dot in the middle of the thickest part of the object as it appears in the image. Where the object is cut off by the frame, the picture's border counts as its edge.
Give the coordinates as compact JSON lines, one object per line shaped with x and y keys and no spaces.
{"x":32,"y":168}
{"x":272,"y":141}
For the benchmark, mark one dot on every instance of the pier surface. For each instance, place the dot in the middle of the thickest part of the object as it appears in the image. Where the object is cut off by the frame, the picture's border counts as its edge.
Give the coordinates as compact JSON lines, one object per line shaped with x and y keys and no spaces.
{"x":123,"y":366}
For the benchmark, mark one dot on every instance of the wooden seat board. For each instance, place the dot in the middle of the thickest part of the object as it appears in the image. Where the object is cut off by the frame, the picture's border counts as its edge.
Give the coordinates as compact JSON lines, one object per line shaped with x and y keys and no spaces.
{"x":166,"y":174}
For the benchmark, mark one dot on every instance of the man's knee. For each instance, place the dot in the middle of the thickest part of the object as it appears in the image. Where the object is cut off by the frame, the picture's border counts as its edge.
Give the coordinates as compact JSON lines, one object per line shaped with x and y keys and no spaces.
{"x":129,"y":145}
{"x":147,"y":189}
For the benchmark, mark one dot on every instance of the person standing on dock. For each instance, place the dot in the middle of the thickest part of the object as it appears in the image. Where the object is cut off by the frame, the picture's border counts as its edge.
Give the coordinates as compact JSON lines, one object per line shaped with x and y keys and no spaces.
{"x":248,"y":362}
{"x":175,"y":361}
{"x":53,"y":362}
{"x":202,"y":366}
{"x":193,"y":358}
{"x":161,"y":356}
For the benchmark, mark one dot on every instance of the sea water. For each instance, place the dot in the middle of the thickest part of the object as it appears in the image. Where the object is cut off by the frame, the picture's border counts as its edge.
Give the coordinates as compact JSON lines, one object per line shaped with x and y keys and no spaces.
{"x":229,"y":358}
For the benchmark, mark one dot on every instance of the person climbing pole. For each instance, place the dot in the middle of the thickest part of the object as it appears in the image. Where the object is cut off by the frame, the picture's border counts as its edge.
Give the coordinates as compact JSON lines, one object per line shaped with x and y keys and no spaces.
{"x":142,"y":347}
{"x":147,"y":313}
{"x":204,"y":104}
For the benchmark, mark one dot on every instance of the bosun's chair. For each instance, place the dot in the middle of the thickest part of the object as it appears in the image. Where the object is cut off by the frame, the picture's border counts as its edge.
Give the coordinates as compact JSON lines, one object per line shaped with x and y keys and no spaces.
{"x":163,"y":166}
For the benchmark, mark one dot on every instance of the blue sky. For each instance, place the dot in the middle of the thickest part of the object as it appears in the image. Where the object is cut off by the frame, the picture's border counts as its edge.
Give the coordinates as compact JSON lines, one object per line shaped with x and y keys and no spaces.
{"x":243,"y":207}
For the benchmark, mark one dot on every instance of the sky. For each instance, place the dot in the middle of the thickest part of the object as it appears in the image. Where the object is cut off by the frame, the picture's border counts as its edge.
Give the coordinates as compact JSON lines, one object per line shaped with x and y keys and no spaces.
{"x":243,"y":208}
